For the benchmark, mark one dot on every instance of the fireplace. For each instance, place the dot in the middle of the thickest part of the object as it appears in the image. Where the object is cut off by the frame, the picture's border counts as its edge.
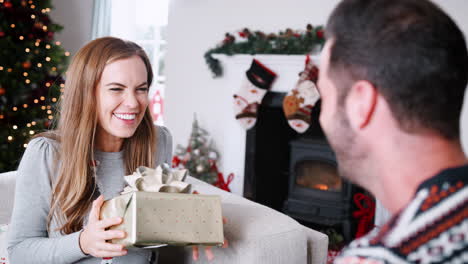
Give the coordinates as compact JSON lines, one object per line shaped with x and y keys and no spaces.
{"x":316,"y":193}
{"x":295,"y":173}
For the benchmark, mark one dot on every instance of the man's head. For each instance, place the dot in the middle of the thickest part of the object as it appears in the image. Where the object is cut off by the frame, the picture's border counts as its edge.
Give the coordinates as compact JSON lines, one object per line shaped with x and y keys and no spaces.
{"x":408,"y":52}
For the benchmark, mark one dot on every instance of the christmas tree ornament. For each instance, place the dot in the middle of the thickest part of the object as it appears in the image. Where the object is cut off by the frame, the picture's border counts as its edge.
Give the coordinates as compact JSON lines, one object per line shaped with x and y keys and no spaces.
{"x":298,"y":103}
{"x":2,"y":91}
{"x":200,"y":168}
{"x":213,"y":155}
{"x":26,"y":64}
{"x":258,"y":81}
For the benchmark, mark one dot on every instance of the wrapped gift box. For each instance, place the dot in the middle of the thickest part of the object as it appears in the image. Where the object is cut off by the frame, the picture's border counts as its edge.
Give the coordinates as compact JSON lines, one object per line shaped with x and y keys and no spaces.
{"x":154,"y":218}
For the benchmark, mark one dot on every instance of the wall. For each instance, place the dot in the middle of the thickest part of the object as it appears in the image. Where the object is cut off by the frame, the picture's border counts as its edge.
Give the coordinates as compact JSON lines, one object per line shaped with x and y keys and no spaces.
{"x":76,"y":18}
{"x":197,"y":25}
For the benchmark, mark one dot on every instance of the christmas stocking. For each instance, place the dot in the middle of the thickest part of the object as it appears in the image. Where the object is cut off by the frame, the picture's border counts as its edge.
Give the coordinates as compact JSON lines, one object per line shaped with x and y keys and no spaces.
{"x":248,"y":98}
{"x":298,"y":104}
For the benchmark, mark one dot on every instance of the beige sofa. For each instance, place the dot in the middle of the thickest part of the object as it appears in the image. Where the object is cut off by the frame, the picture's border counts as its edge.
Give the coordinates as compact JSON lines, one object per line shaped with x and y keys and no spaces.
{"x":257,"y":234}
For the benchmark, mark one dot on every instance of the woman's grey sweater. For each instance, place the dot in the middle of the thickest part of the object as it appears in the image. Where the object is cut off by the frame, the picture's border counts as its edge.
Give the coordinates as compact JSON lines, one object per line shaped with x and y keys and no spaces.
{"x":29,"y":241}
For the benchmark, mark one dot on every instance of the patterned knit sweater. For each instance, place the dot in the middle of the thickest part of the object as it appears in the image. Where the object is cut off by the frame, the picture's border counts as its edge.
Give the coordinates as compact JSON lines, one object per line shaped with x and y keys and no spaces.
{"x":433,"y":228}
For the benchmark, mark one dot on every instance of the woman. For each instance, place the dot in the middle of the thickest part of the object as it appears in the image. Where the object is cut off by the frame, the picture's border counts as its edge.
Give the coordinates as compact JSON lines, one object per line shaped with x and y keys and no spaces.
{"x":105,"y":131}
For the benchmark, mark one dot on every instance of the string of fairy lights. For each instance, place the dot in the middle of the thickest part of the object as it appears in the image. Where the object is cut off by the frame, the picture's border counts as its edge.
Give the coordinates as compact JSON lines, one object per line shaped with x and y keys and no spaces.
{"x":28,"y":67}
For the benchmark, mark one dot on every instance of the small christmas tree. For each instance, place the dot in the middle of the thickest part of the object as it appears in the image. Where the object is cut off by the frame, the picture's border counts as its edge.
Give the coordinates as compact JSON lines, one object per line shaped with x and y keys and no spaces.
{"x":31,"y":66}
{"x":199,"y":157}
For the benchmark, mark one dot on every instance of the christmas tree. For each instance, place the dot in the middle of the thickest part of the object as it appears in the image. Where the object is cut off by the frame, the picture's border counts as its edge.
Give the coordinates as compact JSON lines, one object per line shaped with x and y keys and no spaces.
{"x":31,"y":67}
{"x":199,"y":157}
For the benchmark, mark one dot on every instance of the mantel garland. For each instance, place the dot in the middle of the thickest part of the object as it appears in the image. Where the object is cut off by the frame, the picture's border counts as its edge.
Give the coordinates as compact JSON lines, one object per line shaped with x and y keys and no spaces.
{"x":256,"y":42}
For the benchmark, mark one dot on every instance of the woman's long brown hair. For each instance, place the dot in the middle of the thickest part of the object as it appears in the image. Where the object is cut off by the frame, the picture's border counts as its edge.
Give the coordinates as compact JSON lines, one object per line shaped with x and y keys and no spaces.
{"x":74,"y":186}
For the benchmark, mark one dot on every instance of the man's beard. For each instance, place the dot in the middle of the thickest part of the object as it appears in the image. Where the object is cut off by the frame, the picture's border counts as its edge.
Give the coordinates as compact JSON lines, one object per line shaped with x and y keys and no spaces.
{"x":349,"y":154}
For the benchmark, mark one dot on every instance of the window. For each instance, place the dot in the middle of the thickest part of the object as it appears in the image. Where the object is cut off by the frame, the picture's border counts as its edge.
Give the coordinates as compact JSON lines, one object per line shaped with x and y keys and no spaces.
{"x":145,"y":22}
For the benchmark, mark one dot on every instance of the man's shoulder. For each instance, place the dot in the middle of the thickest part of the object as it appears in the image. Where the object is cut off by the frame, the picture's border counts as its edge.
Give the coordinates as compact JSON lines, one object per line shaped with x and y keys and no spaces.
{"x":431,"y":229}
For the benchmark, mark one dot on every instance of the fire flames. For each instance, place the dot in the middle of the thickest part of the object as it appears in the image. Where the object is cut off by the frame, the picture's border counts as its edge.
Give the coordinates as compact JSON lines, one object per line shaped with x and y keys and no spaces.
{"x":322,"y":187}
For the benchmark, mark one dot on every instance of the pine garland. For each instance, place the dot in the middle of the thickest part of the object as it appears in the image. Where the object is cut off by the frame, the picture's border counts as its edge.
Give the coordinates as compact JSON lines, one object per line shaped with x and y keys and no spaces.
{"x":257,"y":42}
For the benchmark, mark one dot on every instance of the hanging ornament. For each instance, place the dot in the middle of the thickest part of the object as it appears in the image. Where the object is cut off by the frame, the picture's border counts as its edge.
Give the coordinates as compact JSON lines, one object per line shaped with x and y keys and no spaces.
{"x":27,"y":64}
{"x":212,"y":155}
{"x":38,"y":25}
{"x":2,"y":91}
{"x":2,"y":34}
{"x":200,"y":168}
{"x":196,"y":152}
{"x":8,"y":4}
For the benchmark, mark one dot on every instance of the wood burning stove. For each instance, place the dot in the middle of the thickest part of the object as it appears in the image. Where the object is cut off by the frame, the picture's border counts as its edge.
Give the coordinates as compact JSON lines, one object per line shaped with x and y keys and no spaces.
{"x":316,"y":193}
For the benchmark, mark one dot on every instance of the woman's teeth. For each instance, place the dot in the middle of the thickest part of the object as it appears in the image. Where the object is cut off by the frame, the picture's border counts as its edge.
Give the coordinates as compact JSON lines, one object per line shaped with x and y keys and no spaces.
{"x":125,"y":116}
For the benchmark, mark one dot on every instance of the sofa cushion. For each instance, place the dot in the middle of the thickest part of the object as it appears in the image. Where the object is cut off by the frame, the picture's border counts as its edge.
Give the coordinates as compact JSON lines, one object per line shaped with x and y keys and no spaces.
{"x":7,"y":195}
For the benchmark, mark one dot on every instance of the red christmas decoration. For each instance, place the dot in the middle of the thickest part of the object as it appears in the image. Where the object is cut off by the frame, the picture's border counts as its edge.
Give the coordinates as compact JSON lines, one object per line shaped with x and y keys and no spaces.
{"x":8,"y":4}
{"x":364,"y":214}
{"x":331,"y":255}
{"x":222,"y":184}
{"x":2,"y":91}
{"x":2,"y":34}
{"x":320,"y":34}
{"x":175,"y":162}
{"x":26,"y":64}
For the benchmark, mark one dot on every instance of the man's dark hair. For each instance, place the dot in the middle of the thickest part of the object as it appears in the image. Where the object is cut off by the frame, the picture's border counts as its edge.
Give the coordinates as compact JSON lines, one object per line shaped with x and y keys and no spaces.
{"x":412,"y":52}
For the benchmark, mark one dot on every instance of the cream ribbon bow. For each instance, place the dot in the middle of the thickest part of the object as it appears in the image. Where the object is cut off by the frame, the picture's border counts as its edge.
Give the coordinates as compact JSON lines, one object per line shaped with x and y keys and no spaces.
{"x":161,"y":179}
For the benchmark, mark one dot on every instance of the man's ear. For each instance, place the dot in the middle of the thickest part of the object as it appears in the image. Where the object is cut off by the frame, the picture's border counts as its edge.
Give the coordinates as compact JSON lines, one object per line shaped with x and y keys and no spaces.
{"x":361,"y":103}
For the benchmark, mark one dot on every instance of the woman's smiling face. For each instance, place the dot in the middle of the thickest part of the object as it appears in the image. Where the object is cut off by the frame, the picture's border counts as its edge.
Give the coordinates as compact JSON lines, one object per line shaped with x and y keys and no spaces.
{"x":122,"y":98}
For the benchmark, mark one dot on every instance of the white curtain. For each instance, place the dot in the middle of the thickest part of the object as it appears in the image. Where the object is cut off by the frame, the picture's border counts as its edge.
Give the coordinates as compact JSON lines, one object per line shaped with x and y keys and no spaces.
{"x":101,"y":18}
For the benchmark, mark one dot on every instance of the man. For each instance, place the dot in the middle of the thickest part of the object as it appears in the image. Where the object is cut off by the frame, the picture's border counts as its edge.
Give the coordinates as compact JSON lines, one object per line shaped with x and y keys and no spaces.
{"x":392,"y":80}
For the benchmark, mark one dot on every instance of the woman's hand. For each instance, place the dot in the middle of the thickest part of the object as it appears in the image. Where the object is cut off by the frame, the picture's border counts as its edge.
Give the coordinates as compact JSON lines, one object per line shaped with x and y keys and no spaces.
{"x":209,"y":254}
{"x":94,"y":236}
